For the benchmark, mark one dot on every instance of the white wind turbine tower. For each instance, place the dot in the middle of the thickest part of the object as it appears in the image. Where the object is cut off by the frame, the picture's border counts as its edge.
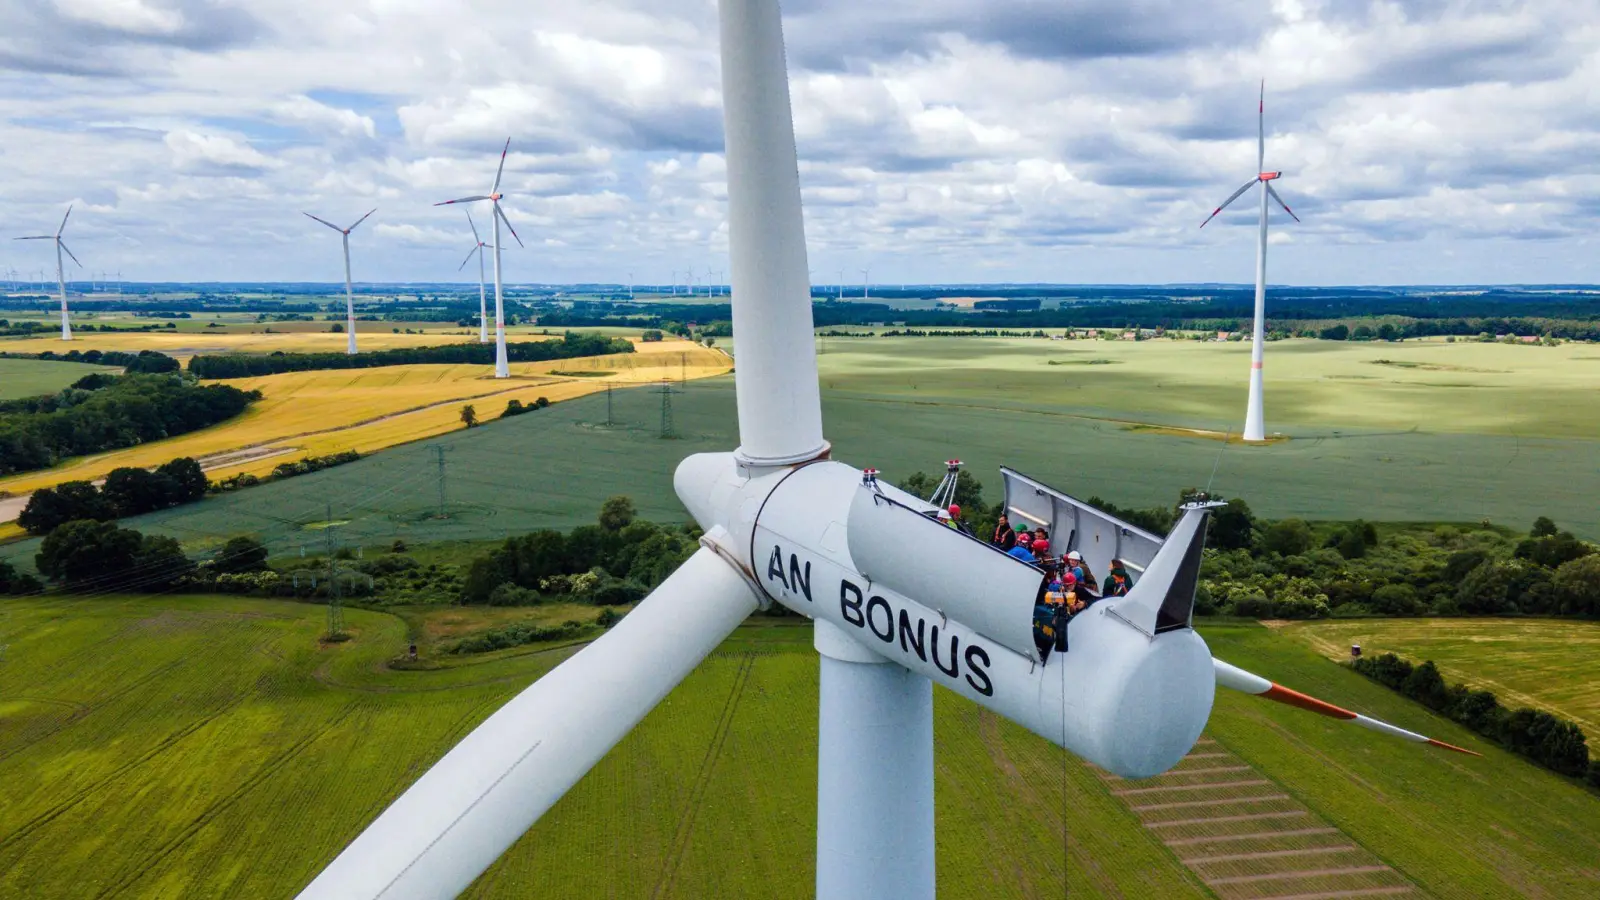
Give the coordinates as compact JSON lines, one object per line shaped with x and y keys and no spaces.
{"x":502,"y":366}
{"x":785,"y":524}
{"x":61,"y":273}
{"x":1255,"y":428}
{"x":349,"y":295}
{"x":483,"y":305}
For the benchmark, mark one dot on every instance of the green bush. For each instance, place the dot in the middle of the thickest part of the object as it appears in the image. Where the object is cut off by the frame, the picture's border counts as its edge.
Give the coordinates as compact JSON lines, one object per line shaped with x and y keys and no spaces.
{"x":1289,"y":537}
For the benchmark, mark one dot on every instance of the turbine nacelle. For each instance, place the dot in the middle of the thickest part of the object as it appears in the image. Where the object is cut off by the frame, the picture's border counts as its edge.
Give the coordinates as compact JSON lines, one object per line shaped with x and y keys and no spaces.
{"x":1128,"y":695}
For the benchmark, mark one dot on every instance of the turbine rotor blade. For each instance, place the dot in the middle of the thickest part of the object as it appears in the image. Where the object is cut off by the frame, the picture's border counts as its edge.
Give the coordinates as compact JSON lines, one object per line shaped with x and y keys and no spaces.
{"x":1261,"y":128}
{"x":1238,"y":679}
{"x":463,"y":200}
{"x":64,"y":221}
{"x":475,"y":249}
{"x":1226,"y":203}
{"x":36,"y":237}
{"x":498,"y":172}
{"x":501,"y":213}
{"x":325,"y":222}
{"x":69,"y":252}
{"x":1274,"y":195}
{"x":360,"y":220}
{"x":474,"y":226}
{"x":457,"y":819}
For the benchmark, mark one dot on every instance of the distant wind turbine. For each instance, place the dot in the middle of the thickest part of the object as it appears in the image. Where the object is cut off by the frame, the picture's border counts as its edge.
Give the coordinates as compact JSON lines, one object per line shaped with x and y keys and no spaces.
{"x":349,"y":296}
{"x":502,"y":366}
{"x":1255,"y":428}
{"x":61,"y":274}
{"x":866,"y":275}
{"x":483,"y":305}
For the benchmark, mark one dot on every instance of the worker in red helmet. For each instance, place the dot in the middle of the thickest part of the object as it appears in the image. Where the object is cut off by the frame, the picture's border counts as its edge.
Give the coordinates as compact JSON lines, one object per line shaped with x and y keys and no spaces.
{"x":959,"y":523}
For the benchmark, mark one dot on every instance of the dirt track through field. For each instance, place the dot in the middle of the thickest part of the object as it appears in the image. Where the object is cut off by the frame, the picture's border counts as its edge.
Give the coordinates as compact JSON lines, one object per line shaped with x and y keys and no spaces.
{"x":1247,"y":839}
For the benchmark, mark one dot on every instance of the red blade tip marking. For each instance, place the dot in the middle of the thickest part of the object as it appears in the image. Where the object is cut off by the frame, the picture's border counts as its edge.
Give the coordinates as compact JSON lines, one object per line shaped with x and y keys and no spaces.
{"x":1453,"y":747}
{"x":1284,"y":695}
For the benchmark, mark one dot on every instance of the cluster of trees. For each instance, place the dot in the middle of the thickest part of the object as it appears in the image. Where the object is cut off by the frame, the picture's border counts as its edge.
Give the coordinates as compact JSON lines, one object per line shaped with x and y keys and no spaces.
{"x":38,"y":432}
{"x":126,"y":492}
{"x":241,"y":365}
{"x":515,"y":407}
{"x":303,"y":466}
{"x":13,"y":582}
{"x":612,"y":563}
{"x":145,"y":362}
{"x":1293,"y":569}
{"x":528,"y":633}
{"x":86,"y":556}
{"x":1546,"y":739}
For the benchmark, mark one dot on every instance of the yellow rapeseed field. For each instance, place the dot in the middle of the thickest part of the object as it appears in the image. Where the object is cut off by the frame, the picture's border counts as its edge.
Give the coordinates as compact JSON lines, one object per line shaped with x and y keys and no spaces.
{"x":322,"y":412}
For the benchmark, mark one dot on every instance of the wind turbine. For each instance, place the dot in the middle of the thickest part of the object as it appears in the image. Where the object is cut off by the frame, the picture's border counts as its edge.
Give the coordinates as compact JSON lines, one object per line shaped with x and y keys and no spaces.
{"x":61,"y":274}
{"x":785,"y":524}
{"x":349,"y":296}
{"x":866,"y":274}
{"x":1255,"y":428}
{"x":502,"y":367}
{"x":483,"y":308}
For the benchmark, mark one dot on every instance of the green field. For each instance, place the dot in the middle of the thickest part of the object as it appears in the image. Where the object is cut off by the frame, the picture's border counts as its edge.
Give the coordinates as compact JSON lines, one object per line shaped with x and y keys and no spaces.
{"x":32,"y":377}
{"x":1551,"y":665}
{"x":1405,"y":444}
{"x":201,"y":746}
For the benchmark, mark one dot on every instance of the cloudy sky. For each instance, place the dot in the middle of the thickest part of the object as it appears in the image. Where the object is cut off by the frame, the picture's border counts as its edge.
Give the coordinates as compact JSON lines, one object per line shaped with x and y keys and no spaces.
{"x":1423,"y":141}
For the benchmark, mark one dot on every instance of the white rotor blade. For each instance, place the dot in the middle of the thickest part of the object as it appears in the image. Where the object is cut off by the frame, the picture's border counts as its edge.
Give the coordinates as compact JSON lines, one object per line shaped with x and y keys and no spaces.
{"x":360,"y":220}
{"x":1274,"y":195}
{"x":64,"y":221}
{"x":1261,"y":128}
{"x":474,"y":226}
{"x":457,"y":819}
{"x":779,"y":399}
{"x":1238,"y":679}
{"x":500,"y":171}
{"x":501,"y":213}
{"x":325,"y":222}
{"x":1231,"y":197}
{"x":69,"y":253}
{"x":36,"y":237}
{"x":462,"y":200}
{"x":475,"y":249}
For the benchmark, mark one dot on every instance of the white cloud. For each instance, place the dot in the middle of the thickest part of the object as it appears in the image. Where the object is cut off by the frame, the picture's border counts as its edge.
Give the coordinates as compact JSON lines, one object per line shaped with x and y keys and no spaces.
{"x":320,"y":117}
{"x":132,"y":16}
{"x":215,"y":154}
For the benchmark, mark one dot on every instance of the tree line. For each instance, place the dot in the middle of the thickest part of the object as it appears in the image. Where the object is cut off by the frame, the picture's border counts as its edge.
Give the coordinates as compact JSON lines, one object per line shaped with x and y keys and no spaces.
{"x":144,"y":362}
{"x":242,"y":365}
{"x":126,"y":492}
{"x":109,"y":413}
{"x":1534,"y":734}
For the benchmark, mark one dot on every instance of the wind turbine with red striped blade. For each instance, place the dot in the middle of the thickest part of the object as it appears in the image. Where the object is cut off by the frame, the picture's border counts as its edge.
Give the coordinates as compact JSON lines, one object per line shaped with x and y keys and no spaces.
{"x":61,"y":272}
{"x":349,"y":295}
{"x":1255,"y":428}
{"x":899,"y":602}
{"x":502,"y":366}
